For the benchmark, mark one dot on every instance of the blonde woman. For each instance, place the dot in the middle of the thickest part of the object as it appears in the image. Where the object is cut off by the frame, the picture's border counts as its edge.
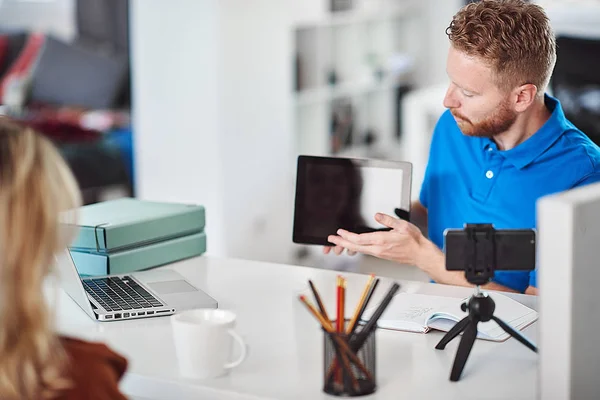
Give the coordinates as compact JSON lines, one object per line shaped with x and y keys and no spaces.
{"x":36,"y":186}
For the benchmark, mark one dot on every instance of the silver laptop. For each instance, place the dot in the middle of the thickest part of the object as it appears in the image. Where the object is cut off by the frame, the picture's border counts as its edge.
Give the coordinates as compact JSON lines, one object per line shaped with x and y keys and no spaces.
{"x":137,"y":295}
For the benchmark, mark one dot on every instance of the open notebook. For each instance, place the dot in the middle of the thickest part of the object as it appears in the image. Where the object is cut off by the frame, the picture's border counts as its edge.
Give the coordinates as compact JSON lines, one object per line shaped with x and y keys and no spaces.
{"x":420,"y":313}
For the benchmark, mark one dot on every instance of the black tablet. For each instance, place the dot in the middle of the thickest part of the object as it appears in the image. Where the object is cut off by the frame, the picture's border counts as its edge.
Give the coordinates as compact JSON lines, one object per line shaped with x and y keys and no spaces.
{"x":334,"y":192}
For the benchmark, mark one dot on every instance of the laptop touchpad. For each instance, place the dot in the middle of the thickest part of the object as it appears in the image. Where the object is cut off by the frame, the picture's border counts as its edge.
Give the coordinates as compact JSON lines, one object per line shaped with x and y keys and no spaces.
{"x":170,"y":287}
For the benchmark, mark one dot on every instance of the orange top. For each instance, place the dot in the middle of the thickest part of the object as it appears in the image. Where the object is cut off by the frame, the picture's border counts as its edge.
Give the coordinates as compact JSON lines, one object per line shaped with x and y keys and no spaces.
{"x":95,"y":371}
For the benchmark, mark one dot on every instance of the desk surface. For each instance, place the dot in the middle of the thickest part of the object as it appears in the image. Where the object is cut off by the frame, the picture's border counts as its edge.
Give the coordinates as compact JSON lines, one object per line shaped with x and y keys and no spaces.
{"x":285,"y":342}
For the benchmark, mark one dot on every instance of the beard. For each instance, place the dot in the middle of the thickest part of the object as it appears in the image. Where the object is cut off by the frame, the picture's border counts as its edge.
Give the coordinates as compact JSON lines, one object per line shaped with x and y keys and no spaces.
{"x":500,"y":121}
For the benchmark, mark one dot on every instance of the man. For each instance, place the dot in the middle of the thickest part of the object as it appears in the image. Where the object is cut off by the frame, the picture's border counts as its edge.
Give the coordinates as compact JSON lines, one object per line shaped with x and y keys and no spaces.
{"x":500,"y":146}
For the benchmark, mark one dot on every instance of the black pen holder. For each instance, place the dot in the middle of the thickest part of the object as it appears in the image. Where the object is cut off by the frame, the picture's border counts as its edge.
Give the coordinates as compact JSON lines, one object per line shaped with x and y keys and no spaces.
{"x":344,"y":374}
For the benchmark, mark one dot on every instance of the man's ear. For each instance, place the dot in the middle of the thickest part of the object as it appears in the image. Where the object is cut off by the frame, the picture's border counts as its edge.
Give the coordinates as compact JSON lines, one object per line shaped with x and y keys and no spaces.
{"x":525,"y":95}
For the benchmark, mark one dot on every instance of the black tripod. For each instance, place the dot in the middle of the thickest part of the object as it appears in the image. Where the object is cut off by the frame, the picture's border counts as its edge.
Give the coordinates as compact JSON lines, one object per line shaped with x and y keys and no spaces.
{"x":475,"y":249}
{"x":481,"y":309}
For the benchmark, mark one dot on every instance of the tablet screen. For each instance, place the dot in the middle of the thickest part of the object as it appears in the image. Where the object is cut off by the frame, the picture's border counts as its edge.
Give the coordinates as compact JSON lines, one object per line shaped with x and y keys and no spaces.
{"x":333,"y":193}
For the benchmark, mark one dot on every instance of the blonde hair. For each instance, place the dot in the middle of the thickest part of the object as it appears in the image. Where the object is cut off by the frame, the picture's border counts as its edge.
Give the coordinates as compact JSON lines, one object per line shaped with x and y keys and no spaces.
{"x":36,"y":186}
{"x":513,"y":37}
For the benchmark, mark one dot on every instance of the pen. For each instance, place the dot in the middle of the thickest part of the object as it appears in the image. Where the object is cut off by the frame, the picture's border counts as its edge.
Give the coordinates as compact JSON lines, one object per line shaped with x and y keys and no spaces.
{"x":359,"y":306}
{"x":318,"y":300}
{"x":340,"y":342}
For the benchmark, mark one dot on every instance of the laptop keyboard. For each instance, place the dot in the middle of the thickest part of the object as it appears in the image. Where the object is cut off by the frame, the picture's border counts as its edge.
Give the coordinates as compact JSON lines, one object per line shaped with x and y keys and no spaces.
{"x":120,"y":293}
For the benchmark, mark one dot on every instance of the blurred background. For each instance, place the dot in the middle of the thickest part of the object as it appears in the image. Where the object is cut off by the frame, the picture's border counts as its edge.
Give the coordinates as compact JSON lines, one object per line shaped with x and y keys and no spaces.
{"x":211,"y":101}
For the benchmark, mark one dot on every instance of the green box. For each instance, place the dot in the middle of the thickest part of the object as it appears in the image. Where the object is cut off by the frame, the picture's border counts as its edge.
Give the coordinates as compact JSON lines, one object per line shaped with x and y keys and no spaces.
{"x":91,"y":263}
{"x":120,"y":224}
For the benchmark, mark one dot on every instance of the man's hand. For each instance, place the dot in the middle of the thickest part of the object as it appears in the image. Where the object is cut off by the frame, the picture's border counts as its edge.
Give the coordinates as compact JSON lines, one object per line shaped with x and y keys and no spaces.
{"x":402,"y":244}
{"x":532,"y":290}
{"x":337,"y":250}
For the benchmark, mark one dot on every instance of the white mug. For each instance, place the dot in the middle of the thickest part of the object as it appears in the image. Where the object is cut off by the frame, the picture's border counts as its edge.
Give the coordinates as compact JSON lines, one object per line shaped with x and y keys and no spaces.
{"x":203,"y":342}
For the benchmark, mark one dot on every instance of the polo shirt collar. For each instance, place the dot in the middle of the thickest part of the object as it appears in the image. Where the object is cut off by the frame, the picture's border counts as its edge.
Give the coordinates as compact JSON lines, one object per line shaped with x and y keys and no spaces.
{"x":525,"y":153}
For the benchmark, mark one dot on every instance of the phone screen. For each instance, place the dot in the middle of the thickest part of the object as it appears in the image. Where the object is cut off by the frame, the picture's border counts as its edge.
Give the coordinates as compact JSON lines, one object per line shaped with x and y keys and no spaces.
{"x":513,"y":249}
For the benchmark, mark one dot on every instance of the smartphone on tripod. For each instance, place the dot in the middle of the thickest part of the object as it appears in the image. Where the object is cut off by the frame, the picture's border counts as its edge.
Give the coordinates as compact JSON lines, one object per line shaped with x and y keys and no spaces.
{"x":510,"y":249}
{"x":479,"y":250}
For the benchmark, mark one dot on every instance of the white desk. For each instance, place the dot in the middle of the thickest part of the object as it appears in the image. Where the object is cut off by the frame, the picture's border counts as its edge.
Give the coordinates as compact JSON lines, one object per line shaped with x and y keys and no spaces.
{"x":285,"y":342}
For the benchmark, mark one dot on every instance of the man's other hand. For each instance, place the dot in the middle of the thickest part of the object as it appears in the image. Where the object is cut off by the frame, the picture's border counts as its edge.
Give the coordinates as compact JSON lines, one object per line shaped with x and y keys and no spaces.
{"x":337,"y":250}
{"x":400,"y":244}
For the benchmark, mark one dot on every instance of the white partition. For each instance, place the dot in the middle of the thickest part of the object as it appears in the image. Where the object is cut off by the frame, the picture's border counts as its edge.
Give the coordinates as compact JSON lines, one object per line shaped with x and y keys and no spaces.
{"x":212,"y":92}
{"x":569,"y":279}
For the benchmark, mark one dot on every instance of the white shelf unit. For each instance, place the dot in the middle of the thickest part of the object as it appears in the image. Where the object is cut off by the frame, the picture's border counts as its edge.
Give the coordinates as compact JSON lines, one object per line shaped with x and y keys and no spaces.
{"x":372,"y":49}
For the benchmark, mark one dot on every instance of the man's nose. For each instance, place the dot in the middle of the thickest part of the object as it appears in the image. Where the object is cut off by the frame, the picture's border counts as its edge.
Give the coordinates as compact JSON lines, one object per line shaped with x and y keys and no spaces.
{"x":450,"y":100}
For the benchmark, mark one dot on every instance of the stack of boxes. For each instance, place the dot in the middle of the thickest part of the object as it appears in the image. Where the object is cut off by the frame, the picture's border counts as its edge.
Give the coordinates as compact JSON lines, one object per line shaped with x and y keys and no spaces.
{"x":125,"y":235}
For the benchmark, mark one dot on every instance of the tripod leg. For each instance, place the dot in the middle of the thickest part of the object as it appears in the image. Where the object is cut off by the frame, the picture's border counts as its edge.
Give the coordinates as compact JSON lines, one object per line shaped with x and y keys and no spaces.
{"x":464,"y":349}
{"x":508,"y":329}
{"x":452,"y":333}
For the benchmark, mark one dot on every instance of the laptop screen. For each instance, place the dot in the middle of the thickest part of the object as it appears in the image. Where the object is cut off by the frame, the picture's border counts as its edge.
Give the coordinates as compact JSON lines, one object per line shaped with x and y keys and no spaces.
{"x":71,"y":282}
{"x":333,"y":193}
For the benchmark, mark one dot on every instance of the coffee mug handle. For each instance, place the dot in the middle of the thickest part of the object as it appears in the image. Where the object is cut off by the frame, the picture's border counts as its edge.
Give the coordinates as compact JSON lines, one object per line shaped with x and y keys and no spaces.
{"x":239,"y":340}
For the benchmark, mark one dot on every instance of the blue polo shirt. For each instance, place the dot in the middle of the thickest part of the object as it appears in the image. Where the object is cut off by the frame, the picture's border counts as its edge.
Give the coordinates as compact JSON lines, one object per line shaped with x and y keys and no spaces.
{"x":468,"y":180}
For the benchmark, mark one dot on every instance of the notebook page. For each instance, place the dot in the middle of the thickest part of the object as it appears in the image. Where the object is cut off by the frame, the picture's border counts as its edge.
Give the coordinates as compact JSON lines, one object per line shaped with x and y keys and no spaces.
{"x":410,"y":311}
{"x":492,"y":331}
{"x":510,"y":311}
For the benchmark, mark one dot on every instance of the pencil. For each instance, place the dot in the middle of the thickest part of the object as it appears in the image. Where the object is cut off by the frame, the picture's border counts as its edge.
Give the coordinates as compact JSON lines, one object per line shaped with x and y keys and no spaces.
{"x":345,"y":363}
{"x":340,"y":353}
{"x":357,"y":341}
{"x":341,"y":316}
{"x":343,"y":344}
{"x":370,"y":326}
{"x":362,"y":300}
{"x":341,"y":347}
{"x":340,"y":303}
{"x":318,"y":300}
{"x":366,"y":296}
{"x":365,"y":304}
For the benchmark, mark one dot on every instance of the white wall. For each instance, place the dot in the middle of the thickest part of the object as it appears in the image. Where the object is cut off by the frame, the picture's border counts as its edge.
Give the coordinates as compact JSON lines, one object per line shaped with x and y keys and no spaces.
{"x":175,"y":105}
{"x":256,"y":127}
{"x":212,"y":97}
